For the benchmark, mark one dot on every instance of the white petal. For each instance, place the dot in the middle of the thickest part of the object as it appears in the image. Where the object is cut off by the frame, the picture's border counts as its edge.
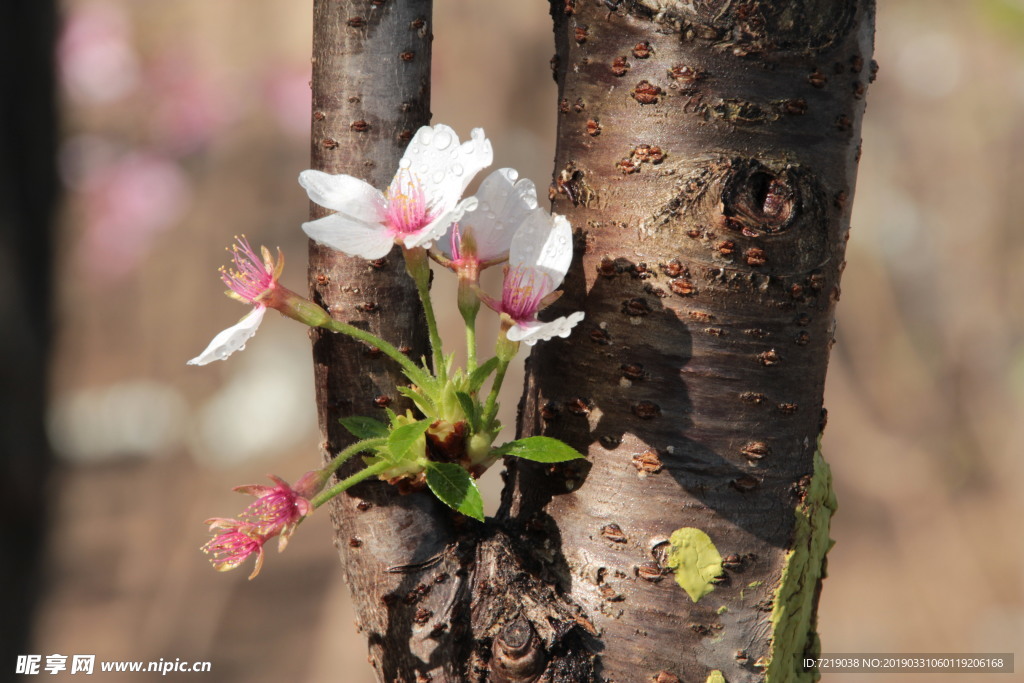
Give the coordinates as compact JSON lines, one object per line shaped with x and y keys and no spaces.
{"x":345,"y":194}
{"x":441,"y":227}
{"x":543,"y":242}
{"x":355,"y":238}
{"x":444,"y":167}
{"x":533,"y":332}
{"x":504,"y":203}
{"x":232,"y":339}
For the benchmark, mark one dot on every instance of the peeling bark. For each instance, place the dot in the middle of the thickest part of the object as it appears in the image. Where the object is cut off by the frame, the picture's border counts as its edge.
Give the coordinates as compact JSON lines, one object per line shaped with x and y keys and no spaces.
{"x":706,"y":159}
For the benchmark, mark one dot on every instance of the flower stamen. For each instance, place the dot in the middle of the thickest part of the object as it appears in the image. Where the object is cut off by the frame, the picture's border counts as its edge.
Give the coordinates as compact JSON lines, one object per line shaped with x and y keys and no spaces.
{"x":522,"y":295}
{"x":252,"y":277}
{"x":408,"y":211}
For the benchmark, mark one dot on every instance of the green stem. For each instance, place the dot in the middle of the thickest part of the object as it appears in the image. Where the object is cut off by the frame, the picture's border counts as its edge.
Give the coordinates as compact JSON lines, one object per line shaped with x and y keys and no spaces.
{"x":491,"y":407}
{"x":418,"y":266}
{"x":435,"y":337}
{"x":470,"y":345}
{"x":357,"y":447}
{"x":416,"y":374}
{"x":349,"y":482}
{"x":469,"y":306}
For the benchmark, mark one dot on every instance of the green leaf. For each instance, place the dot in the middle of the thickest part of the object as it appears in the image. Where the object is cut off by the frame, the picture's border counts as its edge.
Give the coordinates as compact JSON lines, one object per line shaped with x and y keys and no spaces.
{"x":455,"y":488}
{"x":480,"y":375}
{"x":423,"y":402}
{"x":403,"y":438}
{"x":695,"y":560}
{"x":364,"y":427}
{"x":470,"y":408}
{"x":540,"y":449}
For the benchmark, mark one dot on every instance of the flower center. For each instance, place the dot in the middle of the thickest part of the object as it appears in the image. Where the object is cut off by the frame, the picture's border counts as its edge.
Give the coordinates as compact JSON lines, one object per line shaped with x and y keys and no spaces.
{"x":250,"y":277}
{"x":408,"y":211}
{"x":522,"y":294}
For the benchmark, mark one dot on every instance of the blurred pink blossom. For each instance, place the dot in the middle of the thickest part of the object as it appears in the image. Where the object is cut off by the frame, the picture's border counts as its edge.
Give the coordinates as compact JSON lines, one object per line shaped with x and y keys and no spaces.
{"x":95,"y":56}
{"x":288,"y":95}
{"x":189,"y":106}
{"x":128,"y":202}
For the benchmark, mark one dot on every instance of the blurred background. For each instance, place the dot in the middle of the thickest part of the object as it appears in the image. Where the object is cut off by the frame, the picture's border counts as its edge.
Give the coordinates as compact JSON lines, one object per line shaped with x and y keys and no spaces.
{"x":185,"y":123}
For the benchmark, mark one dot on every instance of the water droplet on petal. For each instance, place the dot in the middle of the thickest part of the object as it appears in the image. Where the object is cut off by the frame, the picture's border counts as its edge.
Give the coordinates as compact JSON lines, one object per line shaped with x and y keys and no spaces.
{"x":438,"y":176}
{"x":404,"y":163}
{"x":426,"y":135}
{"x":457,"y":169}
{"x":442,"y":139}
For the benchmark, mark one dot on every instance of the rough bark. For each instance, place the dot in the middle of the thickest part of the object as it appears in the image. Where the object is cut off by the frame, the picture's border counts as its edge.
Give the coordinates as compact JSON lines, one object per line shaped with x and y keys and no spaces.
{"x":438,"y":597}
{"x":371,"y":90}
{"x":28,"y":195}
{"x":706,"y":159}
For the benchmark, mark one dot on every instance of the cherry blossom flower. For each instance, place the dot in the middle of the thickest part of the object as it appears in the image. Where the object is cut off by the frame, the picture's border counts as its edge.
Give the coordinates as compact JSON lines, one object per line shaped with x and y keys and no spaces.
{"x":233,"y":544}
{"x":539,"y":256}
{"x":253,"y":281}
{"x":419,"y":205}
{"x":276,"y":511}
{"x":279,"y":509}
{"x":483,"y":235}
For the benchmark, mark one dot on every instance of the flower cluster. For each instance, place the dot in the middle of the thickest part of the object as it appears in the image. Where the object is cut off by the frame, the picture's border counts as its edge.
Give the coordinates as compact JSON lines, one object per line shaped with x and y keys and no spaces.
{"x":276,"y":511}
{"x":501,"y":222}
{"x":449,"y":440}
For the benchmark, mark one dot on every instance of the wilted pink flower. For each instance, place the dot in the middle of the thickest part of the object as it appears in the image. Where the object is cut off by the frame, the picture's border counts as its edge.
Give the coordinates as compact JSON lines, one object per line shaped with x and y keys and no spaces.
{"x":279,"y":509}
{"x":233,"y":544}
{"x":421,"y":202}
{"x":276,"y":511}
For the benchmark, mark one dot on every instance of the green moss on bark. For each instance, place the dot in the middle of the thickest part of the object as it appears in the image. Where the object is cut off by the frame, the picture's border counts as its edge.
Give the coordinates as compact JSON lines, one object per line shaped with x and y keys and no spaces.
{"x":793,"y":614}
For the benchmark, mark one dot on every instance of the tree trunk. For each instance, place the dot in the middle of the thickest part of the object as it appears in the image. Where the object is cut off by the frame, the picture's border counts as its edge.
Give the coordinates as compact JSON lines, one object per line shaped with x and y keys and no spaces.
{"x":706,"y":158}
{"x":371,"y":91}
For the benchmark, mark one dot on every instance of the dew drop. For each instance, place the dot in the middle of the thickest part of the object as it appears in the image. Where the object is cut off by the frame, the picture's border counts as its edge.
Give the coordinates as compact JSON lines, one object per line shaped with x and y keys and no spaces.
{"x":438,"y":176}
{"x":404,"y":163}
{"x":426,"y":135}
{"x":457,"y":169}
{"x":442,"y":139}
